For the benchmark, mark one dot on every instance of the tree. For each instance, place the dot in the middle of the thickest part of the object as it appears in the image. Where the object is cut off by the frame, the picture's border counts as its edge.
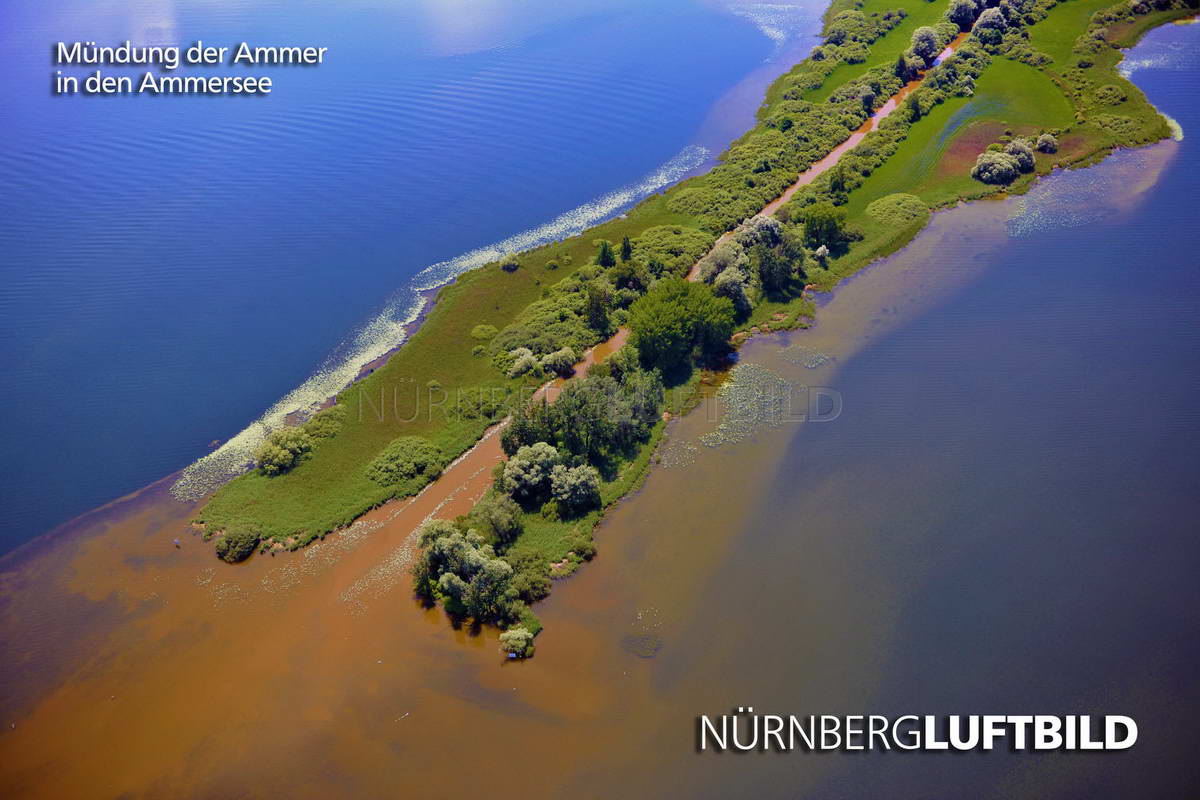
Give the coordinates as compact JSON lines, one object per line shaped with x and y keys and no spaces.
{"x":774,"y":271}
{"x":530,"y":423}
{"x":405,"y":458}
{"x":1022,"y":152}
{"x":1046,"y":143}
{"x":626,"y":249}
{"x":282,"y":450}
{"x":526,"y":475}
{"x":464,"y":572}
{"x":992,"y":18}
{"x":597,"y":305}
{"x":577,"y":489}
{"x":962,"y":13}
{"x":560,"y":362}
{"x":732,"y":286}
{"x":517,"y":642}
{"x":993,"y":167}
{"x":586,"y":415}
{"x":498,"y":517}
{"x":676,"y":316}
{"x":604,"y":256}
{"x":823,"y":225}
{"x":237,"y":545}
{"x":912,"y":106}
{"x":925,"y":44}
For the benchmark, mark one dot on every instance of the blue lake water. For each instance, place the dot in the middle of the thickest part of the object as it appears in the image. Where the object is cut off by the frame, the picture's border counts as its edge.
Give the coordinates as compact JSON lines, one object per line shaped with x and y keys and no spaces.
{"x":171,"y":267}
{"x":1003,"y":518}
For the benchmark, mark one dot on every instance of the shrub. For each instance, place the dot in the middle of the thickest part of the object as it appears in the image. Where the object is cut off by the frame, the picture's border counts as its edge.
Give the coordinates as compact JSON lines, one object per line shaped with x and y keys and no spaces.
{"x":998,"y":168}
{"x":282,"y":450}
{"x":510,"y":263}
{"x":560,"y":362}
{"x":404,"y":459}
{"x":483,"y":331}
{"x":962,"y":13}
{"x":1110,"y":95}
{"x":531,"y":573}
{"x":326,"y":422}
{"x":523,"y":360}
{"x":898,"y":210}
{"x":1046,"y":143}
{"x":577,"y":489}
{"x":604,"y":254}
{"x":992,"y":18}
{"x":517,"y":642}
{"x":237,"y":545}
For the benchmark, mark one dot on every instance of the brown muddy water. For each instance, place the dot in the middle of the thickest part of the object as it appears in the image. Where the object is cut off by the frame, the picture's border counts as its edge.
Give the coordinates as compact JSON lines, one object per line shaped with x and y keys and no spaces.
{"x":1001,"y":519}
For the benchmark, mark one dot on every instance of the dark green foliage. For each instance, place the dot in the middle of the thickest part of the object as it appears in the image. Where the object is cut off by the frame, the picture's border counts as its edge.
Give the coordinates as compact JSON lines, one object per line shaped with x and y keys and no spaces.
{"x":531,"y":573}
{"x":774,"y":270}
{"x":597,"y":306}
{"x":497,"y":518}
{"x":604,"y":255}
{"x":407,"y":457}
{"x":626,"y":249}
{"x":674,"y":318}
{"x":237,"y":545}
{"x":823,"y":224}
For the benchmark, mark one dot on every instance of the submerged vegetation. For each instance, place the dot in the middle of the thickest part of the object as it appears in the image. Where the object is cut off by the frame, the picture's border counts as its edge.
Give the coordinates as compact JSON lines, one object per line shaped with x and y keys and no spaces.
{"x":1031,"y":85}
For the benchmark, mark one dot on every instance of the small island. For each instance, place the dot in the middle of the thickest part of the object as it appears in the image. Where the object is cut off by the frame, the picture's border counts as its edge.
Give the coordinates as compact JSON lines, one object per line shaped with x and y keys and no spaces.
{"x":581,"y":350}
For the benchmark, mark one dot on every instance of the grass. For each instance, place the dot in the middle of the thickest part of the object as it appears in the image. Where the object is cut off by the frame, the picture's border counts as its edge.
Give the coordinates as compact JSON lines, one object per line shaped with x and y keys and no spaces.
{"x":888,"y":48}
{"x":934,"y":162}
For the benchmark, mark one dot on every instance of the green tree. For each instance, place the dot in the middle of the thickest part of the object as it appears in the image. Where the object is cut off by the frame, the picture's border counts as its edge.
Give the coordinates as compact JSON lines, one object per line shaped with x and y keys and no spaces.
{"x":823,"y":225}
{"x":517,"y":642}
{"x":604,"y":256}
{"x":577,"y":489}
{"x":626,"y":249}
{"x":962,"y":13}
{"x":774,"y":271}
{"x":498,"y":517}
{"x":597,"y":305}
{"x":530,"y":423}
{"x":526,"y":475}
{"x":676,"y":316}
{"x":925,"y":44}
